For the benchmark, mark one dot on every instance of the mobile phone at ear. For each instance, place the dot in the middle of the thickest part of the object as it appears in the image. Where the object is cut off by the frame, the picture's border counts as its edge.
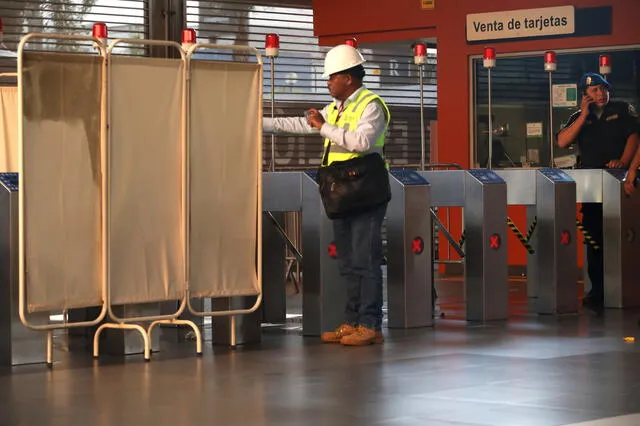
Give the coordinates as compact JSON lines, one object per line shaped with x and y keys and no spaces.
{"x":591,"y":104}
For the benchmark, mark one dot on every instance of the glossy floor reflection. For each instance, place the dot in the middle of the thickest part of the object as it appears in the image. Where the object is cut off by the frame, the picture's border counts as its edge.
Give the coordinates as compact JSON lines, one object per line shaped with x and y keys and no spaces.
{"x":537,"y":371}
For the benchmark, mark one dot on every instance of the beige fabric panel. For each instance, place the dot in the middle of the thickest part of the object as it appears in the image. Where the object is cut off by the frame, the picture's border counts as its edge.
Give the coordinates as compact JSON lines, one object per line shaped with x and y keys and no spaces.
{"x":146,"y":242}
{"x":61,"y":180}
{"x":225,"y":148}
{"x":9,"y":129}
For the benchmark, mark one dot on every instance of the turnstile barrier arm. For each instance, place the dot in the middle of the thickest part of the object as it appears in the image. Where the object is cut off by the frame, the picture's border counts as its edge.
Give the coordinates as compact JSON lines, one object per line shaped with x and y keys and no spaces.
{"x":447,"y":235}
{"x":523,"y":240}
{"x":285,"y":237}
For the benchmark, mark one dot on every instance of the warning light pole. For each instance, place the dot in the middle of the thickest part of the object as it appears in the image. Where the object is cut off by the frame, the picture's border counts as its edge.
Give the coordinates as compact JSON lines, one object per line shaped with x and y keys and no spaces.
{"x":420,"y":59}
{"x":272,"y":50}
{"x":550,"y":65}
{"x":489,"y":62}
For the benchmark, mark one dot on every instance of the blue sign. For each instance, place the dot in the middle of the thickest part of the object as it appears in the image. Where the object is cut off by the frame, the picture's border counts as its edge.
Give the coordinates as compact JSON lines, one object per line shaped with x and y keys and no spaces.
{"x":409,"y":177}
{"x":619,"y":174}
{"x":556,"y":175}
{"x":486,"y":176}
{"x":313,"y":174}
{"x":10,"y":180}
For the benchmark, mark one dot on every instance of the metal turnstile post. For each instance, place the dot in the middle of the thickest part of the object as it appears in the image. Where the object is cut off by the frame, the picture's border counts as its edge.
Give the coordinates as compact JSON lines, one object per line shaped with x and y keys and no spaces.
{"x":409,"y":261}
{"x":281,"y":193}
{"x":621,"y":242}
{"x":549,"y":196}
{"x":18,"y":344}
{"x":621,"y":223}
{"x":324,"y":292}
{"x":485,"y":213}
{"x":274,"y":296}
{"x":553,"y":267}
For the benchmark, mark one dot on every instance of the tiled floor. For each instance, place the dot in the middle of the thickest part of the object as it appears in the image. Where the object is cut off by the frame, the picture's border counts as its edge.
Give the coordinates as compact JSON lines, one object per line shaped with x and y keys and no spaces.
{"x":631,"y":419}
{"x":537,"y":371}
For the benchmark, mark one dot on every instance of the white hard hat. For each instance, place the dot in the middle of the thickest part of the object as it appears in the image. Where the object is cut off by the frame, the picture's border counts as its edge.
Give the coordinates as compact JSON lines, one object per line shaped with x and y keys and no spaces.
{"x":341,"y":58}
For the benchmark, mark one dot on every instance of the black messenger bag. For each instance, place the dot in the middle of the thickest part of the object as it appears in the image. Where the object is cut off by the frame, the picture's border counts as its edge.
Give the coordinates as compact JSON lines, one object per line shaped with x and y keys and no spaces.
{"x":353,"y":186}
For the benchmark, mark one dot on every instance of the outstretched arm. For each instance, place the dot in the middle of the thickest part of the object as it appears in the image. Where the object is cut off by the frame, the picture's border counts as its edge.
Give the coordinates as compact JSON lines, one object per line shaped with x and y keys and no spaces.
{"x":291,"y":125}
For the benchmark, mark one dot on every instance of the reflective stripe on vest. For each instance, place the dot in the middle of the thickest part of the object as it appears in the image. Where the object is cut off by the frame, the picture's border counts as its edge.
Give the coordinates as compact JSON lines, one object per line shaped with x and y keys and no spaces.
{"x":349,"y":120}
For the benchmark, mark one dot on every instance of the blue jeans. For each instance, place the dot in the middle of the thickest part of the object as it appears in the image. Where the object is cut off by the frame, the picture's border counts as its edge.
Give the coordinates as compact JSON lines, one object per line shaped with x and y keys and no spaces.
{"x":358,"y":240}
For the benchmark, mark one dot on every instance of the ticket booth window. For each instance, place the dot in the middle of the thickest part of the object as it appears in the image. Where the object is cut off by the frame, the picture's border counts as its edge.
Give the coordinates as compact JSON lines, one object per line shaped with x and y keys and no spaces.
{"x":520,"y":104}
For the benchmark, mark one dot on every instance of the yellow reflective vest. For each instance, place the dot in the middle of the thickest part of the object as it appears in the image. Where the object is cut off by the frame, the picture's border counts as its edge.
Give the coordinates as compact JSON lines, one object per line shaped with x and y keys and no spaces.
{"x":349,"y":120}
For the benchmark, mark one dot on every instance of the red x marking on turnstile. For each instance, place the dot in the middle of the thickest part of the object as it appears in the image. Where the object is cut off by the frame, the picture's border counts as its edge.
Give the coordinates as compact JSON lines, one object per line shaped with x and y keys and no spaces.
{"x":333,"y":250}
{"x":494,"y":241}
{"x":565,"y":238}
{"x":417,"y":245}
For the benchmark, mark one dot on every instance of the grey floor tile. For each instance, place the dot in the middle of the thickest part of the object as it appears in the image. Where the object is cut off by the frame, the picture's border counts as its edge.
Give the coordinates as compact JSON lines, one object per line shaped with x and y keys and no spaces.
{"x":529,"y":371}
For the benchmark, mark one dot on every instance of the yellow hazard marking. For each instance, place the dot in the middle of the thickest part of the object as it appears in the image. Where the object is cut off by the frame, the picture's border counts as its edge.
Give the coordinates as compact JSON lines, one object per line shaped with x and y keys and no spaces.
{"x":523,"y":240}
{"x":587,"y":236}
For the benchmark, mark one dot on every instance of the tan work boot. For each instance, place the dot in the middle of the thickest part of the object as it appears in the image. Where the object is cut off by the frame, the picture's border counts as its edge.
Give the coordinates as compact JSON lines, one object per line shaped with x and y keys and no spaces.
{"x":336,"y":335}
{"x":363,"y":336}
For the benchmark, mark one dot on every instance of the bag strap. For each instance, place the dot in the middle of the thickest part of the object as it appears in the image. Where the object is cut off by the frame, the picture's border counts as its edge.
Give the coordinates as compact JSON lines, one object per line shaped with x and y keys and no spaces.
{"x":325,"y":156}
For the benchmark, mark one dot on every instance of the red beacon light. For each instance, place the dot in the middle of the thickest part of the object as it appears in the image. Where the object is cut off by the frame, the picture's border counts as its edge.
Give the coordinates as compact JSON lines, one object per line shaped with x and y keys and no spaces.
{"x":550,"y":61}
{"x":420,"y":53}
{"x":272,"y":45}
{"x":605,"y":64}
{"x":351,"y":42}
{"x":101,"y":32}
{"x":489,"y":57}
{"x":188,"y":38}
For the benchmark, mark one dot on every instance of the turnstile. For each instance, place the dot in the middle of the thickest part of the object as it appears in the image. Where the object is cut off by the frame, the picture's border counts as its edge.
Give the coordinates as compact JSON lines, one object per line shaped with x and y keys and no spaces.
{"x":621,"y":224}
{"x":18,"y":344}
{"x":555,"y":260}
{"x":324,"y":293}
{"x":483,"y":195}
{"x":324,"y":289}
{"x":485,"y":213}
{"x":621,"y":215}
{"x":409,"y":258}
{"x":549,"y":195}
{"x":281,"y":193}
{"x":274,"y":295}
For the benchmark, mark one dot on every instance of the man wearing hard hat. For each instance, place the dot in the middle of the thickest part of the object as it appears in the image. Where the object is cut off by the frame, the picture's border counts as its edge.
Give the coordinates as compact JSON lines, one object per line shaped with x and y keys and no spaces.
{"x":353,"y":125}
{"x":607,"y":134}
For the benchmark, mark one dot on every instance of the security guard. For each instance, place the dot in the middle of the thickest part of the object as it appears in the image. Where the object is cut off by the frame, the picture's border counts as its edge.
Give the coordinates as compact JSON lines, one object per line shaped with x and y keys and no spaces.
{"x":607,"y":134}
{"x":353,"y":125}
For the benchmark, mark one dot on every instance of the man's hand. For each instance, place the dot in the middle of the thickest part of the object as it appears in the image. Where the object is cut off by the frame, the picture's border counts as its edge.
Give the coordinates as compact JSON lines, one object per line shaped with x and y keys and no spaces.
{"x":314,"y":118}
{"x":616,"y":164}
{"x":629,"y":182}
{"x":584,"y":104}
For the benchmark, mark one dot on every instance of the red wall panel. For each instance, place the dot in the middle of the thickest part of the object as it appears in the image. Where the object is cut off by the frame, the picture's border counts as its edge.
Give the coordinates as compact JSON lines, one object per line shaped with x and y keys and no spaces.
{"x":373,"y":21}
